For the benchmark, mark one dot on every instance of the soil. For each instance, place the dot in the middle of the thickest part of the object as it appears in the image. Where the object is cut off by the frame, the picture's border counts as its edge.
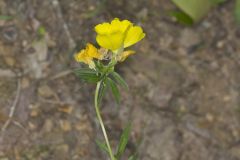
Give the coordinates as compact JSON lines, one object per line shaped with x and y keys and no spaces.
{"x":184,"y":96}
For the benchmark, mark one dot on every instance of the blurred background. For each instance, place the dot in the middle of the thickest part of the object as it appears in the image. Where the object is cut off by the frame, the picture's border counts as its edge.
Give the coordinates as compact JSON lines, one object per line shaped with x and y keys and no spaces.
{"x":184,"y":97}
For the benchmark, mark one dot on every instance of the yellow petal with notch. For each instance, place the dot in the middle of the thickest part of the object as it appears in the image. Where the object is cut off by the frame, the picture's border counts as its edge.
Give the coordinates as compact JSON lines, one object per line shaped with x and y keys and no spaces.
{"x":134,"y":35}
{"x":103,"y":28}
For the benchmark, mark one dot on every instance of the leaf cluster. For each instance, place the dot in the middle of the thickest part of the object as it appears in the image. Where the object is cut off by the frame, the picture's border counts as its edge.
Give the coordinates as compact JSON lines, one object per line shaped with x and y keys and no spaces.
{"x":106,"y":76}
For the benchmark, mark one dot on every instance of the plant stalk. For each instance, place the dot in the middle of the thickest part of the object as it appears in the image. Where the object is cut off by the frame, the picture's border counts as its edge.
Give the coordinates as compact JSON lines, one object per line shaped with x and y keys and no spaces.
{"x":101,"y":121}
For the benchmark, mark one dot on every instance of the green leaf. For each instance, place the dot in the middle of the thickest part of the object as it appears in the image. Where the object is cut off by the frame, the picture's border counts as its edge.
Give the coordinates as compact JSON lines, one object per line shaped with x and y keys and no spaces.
{"x":119,"y":80}
{"x":181,"y":17}
{"x":196,"y":9}
{"x":102,"y":146}
{"x":237,"y":11}
{"x":114,"y":89}
{"x":102,"y":90}
{"x":123,"y":141}
{"x":87,"y":75}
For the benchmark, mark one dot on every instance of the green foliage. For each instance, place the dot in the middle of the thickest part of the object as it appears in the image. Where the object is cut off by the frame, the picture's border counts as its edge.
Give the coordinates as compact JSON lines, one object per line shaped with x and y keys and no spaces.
{"x":87,"y":75}
{"x":196,"y":9}
{"x":114,"y":89}
{"x":102,"y":90}
{"x":102,"y":146}
{"x":123,"y":141}
{"x":182,"y":17}
{"x":237,"y":11}
{"x":41,"y":31}
{"x":119,"y":80}
{"x":106,"y":78}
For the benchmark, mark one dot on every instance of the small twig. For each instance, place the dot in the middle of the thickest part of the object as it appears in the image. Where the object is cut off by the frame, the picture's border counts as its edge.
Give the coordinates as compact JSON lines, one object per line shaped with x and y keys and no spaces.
{"x":18,"y":124}
{"x":56,"y":4}
{"x":13,"y":107}
{"x":61,"y":74}
{"x":57,"y":102}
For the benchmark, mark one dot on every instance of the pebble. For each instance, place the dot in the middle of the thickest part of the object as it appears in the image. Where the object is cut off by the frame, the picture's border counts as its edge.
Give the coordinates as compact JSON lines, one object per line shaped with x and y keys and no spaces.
{"x":64,"y":148}
{"x":32,"y":126}
{"x":220,"y":44}
{"x":65,"y":125}
{"x":209,"y":117}
{"x":10,"y":61}
{"x":66,"y":109}
{"x":34,"y":113}
{"x":61,"y":152}
{"x":45,"y":91}
{"x":186,"y":35}
{"x":25,"y":83}
{"x":48,"y":125}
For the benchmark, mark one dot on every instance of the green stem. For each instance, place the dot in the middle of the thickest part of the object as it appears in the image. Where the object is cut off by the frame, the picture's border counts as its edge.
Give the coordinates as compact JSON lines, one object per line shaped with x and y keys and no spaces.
{"x":101,"y":121}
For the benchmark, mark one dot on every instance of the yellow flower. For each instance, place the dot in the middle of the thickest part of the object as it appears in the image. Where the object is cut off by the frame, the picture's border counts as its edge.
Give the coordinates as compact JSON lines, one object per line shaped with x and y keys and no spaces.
{"x":125,"y":54}
{"x":118,"y":34}
{"x":86,"y":55}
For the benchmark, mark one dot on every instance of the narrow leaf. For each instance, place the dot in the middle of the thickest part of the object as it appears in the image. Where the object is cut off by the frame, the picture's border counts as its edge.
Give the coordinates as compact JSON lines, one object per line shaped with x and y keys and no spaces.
{"x":114,"y":89}
{"x":119,"y":80}
{"x":87,"y":75}
{"x":102,"y":146}
{"x":102,"y":90}
{"x":123,"y":141}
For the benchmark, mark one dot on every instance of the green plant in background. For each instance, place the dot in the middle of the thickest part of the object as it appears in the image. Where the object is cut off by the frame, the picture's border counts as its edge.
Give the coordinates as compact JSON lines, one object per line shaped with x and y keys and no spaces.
{"x":237,"y":11}
{"x":193,"y":10}
{"x":113,"y":38}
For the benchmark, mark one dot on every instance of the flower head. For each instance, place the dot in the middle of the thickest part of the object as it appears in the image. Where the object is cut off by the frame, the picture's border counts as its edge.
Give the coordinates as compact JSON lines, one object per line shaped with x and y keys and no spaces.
{"x":87,"y":55}
{"x":118,"y":34}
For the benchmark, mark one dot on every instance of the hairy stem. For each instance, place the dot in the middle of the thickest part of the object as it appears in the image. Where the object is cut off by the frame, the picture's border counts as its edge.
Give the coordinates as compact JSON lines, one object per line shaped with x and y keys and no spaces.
{"x":101,"y":121}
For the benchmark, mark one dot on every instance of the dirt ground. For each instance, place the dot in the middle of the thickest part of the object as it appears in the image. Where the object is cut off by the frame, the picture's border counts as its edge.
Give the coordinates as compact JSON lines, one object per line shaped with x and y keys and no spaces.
{"x":184,"y":97}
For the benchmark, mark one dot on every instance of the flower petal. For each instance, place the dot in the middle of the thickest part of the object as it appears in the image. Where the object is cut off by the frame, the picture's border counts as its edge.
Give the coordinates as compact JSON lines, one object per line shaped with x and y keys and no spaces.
{"x":118,"y":34}
{"x":121,"y":26}
{"x":92,"y":51}
{"x":125,"y":54}
{"x":80,"y":56}
{"x":134,"y":35}
{"x":86,"y":55}
{"x":112,"y":41}
{"x":103,"y":28}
